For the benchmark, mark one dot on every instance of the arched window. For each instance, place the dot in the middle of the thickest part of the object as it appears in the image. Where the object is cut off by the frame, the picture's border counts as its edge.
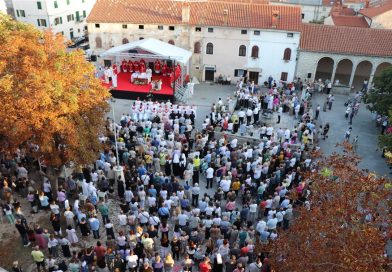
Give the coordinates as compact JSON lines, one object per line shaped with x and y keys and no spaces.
{"x":197,"y":48}
{"x":255,"y":51}
{"x":287,"y":54}
{"x":242,"y":51}
{"x":210,"y":49}
{"x":98,"y":42}
{"x":125,"y":41}
{"x":171,"y":42}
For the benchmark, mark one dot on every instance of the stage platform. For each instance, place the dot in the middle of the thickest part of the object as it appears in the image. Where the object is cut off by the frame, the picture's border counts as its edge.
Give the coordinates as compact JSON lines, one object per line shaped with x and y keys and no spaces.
{"x":126,"y":90}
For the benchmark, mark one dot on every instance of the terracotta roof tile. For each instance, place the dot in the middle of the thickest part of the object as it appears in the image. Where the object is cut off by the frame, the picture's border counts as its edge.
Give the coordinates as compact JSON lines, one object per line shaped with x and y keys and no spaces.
{"x":375,"y":11}
{"x":241,"y":15}
{"x":346,"y":40}
{"x":354,"y":21}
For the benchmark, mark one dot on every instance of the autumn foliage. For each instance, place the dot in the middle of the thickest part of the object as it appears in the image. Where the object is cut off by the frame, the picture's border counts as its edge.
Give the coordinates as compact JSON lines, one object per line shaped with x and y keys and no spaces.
{"x":50,"y":98}
{"x":346,"y":228}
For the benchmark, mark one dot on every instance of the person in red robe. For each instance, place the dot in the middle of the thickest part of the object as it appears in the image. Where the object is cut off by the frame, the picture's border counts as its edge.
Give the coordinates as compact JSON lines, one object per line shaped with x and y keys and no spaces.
{"x":143,"y":61}
{"x":130,"y":66}
{"x":136,"y":66}
{"x":124,"y":66}
{"x":177,"y":71}
{"x":142,"y":67}
{"x":115,"y":69}
{"x":157,"y":67}
{"x":164,"y":69}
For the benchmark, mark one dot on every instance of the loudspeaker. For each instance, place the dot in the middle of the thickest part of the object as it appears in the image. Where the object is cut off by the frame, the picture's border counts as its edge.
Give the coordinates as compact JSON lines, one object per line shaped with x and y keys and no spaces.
{"x":309,"y":75}
{"x":93,"y":57}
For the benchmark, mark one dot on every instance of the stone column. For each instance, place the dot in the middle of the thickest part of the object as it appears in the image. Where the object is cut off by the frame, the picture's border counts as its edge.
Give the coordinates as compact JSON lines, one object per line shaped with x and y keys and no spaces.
{"x":373,"y":71}
{"x":335,"y":65}
{"x":352,"y":74}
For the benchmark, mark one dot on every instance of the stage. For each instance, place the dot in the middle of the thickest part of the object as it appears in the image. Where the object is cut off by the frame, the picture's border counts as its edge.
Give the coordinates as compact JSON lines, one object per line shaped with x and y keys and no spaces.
{"x":127,"y":90}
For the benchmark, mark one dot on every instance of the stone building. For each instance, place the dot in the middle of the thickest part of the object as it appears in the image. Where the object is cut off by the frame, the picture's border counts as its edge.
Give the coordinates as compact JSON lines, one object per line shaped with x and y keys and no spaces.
{"x":348,"y":55}
{"x":226,"y":38}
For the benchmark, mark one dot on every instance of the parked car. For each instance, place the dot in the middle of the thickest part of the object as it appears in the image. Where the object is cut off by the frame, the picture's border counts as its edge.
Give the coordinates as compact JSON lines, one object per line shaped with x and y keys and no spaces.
{"x":77,"y":41}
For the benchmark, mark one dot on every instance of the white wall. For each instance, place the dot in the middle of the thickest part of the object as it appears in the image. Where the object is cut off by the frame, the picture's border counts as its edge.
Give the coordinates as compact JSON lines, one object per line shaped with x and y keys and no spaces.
{"x":49,"y":13}
{"x":310,"y":12}
{"x":271,"y":49}
{"x":3,"y":7}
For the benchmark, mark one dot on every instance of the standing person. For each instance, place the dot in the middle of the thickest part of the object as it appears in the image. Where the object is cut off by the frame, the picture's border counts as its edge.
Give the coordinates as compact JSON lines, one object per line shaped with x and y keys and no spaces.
{"x":39,"y":259}
{"x":22,"y":227}
{"x":16,"y":267}
{"x":325,"y":105}
{"x":71,"y":235}
{"x":347,"y":134}
{"x":209,"y":176}
{"x":52,"y":246}
{"x":329,"y":87}
{"x":325,"y":131}
{"x":103,"y":208}
{"x":330,"y":101}
{"x":364,"y":86}
{"x":64,"y":243}
{"x":317,"y":112}
{"x":195,"y":194}
{"x":205,"y":265}
{"x":280,"y":111}
{"x":94,"y":226}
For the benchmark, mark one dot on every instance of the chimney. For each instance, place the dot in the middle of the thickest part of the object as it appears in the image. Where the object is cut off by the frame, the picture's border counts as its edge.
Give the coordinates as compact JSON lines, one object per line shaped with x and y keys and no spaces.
{"x":186,"y":13}
{"x":225,"y":17}
{"x":275,"y":18}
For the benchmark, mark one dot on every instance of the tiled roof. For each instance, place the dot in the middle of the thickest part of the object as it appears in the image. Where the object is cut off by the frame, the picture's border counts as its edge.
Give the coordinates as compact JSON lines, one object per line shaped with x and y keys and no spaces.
{"x":210,"y":13}
{"x":354,"y":21}
{"x":375,"y":11}
{"x":346,"y":40}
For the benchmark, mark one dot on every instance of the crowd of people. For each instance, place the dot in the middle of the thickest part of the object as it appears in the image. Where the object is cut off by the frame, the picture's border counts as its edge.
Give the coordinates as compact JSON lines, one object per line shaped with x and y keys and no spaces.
{"x":185,"y":199}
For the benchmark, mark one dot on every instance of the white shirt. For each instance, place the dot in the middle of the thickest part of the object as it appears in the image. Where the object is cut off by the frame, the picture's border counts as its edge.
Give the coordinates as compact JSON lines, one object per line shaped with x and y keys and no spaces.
{"x":271,"y":223}
{"x":225,"y":184}
{"x":253,"y":208}
{"x":210,"y":172}
{"x":182,"y":219}
{"x":122,"y":218}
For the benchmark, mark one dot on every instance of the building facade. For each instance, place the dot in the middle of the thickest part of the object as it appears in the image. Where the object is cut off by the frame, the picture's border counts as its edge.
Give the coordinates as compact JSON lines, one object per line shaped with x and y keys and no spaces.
{"x":67,"y":17}
{"x":262,"y":47}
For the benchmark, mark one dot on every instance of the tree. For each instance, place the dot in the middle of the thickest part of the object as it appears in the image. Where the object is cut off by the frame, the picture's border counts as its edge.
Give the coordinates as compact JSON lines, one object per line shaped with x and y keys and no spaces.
{"x":346,"y":226}
{"x":52,"y":105}
{"x":380,"y":98}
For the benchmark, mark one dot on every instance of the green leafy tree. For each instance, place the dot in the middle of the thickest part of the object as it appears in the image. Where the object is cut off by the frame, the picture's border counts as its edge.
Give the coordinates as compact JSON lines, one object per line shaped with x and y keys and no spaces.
{"x":379,"y":100}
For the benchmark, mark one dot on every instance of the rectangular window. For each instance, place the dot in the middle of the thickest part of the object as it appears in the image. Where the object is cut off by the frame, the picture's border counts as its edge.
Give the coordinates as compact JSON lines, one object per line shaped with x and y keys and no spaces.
{"x":68,"y":2}
{"x":20,"y":13}
{"x":290,"y":35}
{"x":198,"y":29}
{"x":171,"y":28}
{"x":70,"y":18}
{"x":238,"y":72}
{"x":256,"y":32}
{"x":77,"y":16}
{"x":160,"y":27}
{"x":58,"y":21}
{"x":124,"y":26}
{"x":97,"y":26}
{"x":283,"y":76}
{"x":55,"y":4}
{"x":141,"y":26}
{"x":42,"y":22}
{"x":39,"y":5}
{"x":210,"y":29}
{"x":244,"y":32}
{"x":84,"y":14}
{"x":82,"y":1}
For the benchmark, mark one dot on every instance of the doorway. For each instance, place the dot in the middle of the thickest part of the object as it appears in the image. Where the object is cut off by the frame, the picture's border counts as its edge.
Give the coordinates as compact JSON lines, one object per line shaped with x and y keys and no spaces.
{"x":254,"y":76}
{"x":209,"y":74}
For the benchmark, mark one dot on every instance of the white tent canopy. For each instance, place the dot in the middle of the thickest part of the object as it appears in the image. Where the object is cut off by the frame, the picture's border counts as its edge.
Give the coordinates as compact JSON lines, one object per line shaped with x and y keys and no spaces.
{"x":150,"y":46}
